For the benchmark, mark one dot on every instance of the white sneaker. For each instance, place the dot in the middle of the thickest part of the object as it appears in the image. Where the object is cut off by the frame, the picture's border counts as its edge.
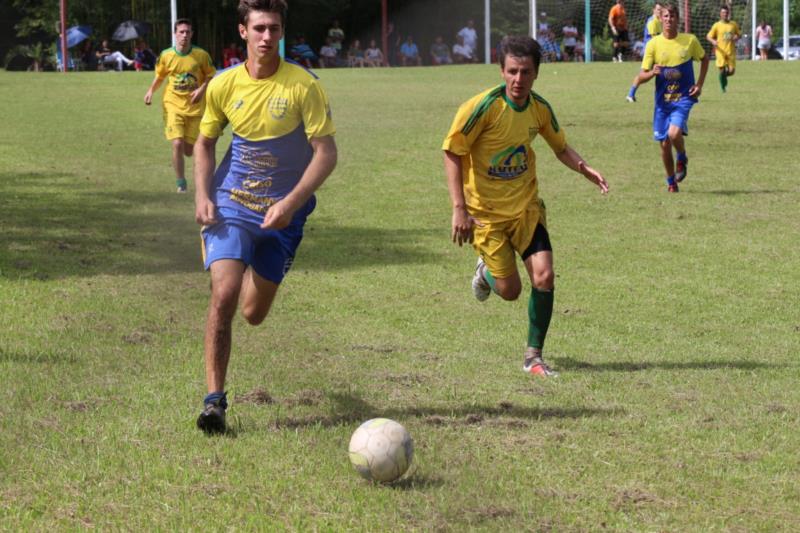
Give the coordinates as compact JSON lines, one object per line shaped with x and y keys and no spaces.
{"x":480,"y":287}
{"x":631,"y":99}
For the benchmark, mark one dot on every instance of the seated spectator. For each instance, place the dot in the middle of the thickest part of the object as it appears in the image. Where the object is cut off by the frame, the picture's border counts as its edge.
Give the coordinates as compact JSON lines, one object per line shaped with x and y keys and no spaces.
{"x":328,"y":55}
{"x":570,"y":33}
{"x":355,"y":55}
{"x":232,"y":55}
{"x":638,"y":49}
{"x":373,"y":55}
{"x":440,"y":52}
{"x":302,"y":53}
{"x":550,"y":50}
{"x":143,"y":57}
{"x":409,"y":53}
{"x":106,"y":56}
{"x":463,"y":53}
{"x":88,"y":57}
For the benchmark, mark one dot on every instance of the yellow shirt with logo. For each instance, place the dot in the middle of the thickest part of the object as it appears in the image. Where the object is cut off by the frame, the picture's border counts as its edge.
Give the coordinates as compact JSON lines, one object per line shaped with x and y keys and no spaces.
{"x":724,"y":33}
{"x":493,"y":136}
{"x":184,"y":73}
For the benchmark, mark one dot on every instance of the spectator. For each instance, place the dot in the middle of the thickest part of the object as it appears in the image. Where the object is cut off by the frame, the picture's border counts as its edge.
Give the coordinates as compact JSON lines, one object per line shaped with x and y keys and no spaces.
{"x":355,"y":55}
{"x":544,"y":25}
{"x":440,"y":52}
{"x":302,"y":53}
{"x":570,"y":33}
{"x":550,"y":51}
{"x":764,"y":39}
{"x":470,"y":37}
{"x":409,"y":53}
{"x":336,"y":35}
{"x":638,"y":49}
{"x":143,"y":57}
{"x":462,"y":53}
{"x":328,"y":55}
{"x":88,"y":57}
{"x":232,"y":55}
{"x":106,"y":56}
{"x":373,"y":55}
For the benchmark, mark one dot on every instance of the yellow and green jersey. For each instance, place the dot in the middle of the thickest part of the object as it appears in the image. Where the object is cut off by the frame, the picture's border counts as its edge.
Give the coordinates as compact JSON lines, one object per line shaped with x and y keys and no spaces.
{"x":184,"y":73}
{"x":724,"y":33}
{"x":493,"y":136}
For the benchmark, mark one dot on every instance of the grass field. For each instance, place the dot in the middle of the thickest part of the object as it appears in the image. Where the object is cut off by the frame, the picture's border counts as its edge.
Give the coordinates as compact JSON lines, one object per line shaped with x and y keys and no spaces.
{"x":676,"y":328}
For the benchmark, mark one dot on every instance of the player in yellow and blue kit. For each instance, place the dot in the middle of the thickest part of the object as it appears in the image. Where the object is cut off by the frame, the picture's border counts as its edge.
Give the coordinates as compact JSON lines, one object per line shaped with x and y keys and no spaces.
{"x":187,"y":70}
{"x":652,"y":28}
{"x":493,"y":184}
{"x":723,"y":36}
{"x":669,"y":58}
{"x":254,"y":206}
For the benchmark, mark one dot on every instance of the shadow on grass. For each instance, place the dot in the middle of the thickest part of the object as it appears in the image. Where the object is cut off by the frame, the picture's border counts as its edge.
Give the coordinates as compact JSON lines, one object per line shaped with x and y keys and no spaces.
{"x":740,"y":192}
{"x":58,"y":225}
{"x":569,"y":363}
{"x":350,"y":409}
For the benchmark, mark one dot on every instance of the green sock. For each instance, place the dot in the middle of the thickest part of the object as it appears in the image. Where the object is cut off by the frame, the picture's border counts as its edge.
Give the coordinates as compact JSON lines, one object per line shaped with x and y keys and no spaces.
{"x":723,"y":79}
{"x":489,"y":278}
{"x":540,"y":310}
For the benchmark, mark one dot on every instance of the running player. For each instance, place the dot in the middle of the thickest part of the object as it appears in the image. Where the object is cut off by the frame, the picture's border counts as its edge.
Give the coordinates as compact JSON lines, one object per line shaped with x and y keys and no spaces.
{"x":187,"y":70}
{"x":652,"y":27}
{"x":723,"y":36}
{"x":676,"y":90}
{"x":492,"y":180}
{"x":254,"y":207}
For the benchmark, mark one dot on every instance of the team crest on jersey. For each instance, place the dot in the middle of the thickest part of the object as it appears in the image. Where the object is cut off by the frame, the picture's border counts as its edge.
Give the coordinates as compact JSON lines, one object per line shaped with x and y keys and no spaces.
{"x":277,"y":107}
{"x":510,"y":163}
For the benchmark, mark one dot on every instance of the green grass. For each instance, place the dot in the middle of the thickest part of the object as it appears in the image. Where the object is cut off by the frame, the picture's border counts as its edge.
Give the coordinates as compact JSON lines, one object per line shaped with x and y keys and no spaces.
{"x":676,"y":328}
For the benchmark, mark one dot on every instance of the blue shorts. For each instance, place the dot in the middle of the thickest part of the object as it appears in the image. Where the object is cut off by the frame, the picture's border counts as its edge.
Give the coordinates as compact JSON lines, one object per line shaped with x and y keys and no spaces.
{"x":677,"y":114}
{"x":270,"y":253}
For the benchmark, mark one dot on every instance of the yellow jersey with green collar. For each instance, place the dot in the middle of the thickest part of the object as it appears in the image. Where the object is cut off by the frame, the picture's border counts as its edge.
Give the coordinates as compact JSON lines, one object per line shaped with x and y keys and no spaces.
{"x":675,"y":57}
{"x":184,"y":73}
{"x":724,"y":33}
{"x":493,"y":136}
{"x":272,"y":121}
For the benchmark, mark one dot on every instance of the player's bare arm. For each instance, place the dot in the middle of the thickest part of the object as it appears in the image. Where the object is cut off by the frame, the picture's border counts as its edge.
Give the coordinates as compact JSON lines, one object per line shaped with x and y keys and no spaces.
{"x":462,"y":223}
{"x":697,"y":88}
{"x":204,"y":162}
{"x":280,"y":214}
{"x":198,"y":93}
{"x":572,"y":159}
{"x":647,"y":75}
{"x":148,"y":96}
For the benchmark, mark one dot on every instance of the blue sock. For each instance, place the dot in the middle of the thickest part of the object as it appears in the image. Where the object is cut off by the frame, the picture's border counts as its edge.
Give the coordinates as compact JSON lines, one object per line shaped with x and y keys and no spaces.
{"x":681,"y":156}
{"x":632,"y":91}
{"x":671,"y":180}
{"x":214,"y":397}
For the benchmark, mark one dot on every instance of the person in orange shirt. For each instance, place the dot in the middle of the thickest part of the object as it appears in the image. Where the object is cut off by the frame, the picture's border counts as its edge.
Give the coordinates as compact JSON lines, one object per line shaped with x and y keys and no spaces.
{"x":618,"y":22}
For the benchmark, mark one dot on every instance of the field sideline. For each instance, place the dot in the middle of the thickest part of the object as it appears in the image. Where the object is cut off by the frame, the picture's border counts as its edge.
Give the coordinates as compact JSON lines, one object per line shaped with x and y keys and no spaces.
{"x":676,"y":327}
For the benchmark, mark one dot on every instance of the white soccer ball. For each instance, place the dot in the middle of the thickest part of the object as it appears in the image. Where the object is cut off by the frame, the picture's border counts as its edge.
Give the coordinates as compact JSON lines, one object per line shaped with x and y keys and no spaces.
{"x":381,"y":450}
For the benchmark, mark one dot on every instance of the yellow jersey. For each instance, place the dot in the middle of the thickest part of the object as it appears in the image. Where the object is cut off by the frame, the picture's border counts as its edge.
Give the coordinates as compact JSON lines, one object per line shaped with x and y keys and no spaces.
{"x":184,"y":73}
{"x":493,"y":136}
{"x":724,"y":33}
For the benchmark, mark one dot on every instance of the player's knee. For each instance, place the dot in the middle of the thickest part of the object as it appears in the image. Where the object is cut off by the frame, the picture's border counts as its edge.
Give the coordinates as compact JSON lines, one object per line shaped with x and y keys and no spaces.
{"x":188,"y":149}
{"x":253,"y":315}
{"x":177,"y":145}
{"x":224,"y":300}
{"x":544,"y":280}
{"x":674,"y":134}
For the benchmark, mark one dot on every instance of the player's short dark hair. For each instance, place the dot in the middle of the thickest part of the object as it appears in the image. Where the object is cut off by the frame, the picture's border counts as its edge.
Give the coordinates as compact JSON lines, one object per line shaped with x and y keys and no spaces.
{"x":520,"y":46}
{"x":181,"y":22}
{"x":270,"y":6}
{"x":726,"y":7}
{"x":672,"y":8}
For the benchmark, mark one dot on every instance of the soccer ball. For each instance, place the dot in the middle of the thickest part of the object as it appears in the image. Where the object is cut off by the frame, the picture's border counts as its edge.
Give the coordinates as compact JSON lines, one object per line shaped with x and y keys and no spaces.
{"x":381,"y":450}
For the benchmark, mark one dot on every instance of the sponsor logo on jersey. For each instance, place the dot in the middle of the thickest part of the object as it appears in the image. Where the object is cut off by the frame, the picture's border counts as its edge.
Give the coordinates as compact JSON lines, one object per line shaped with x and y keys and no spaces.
{"x":510,"y":163}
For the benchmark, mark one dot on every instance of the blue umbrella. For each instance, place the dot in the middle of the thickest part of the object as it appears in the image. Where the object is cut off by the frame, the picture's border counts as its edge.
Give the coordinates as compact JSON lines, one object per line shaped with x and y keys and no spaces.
{"x":77,"y":34}
{"x":131,"y":29}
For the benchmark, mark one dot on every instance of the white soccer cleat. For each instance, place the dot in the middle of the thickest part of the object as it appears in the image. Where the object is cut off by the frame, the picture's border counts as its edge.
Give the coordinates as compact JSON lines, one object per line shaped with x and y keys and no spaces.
{"x":631,"y":99}
{"x":480,"y":287}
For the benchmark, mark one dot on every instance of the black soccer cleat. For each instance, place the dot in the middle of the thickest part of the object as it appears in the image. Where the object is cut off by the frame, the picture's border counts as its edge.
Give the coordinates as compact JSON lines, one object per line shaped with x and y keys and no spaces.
{"x":212,"y":419}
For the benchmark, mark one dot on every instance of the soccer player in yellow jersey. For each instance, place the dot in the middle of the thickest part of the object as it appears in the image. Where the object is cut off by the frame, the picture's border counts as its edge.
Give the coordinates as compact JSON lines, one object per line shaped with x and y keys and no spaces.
{"x":254,"y":206}
{"x":493,"y":183}
{"x":669,"y":58}
{"x":723,"y":36}
{"x":187,"y":70}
